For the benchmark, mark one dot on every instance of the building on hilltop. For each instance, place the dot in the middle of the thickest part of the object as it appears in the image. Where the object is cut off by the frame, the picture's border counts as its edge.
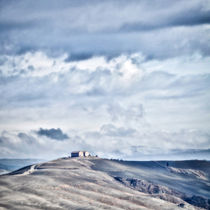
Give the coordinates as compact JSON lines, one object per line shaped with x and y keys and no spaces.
{"x":80,"y":154}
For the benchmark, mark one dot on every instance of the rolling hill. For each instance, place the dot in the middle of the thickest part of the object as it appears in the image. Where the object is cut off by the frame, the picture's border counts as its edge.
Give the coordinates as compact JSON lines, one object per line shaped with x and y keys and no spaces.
{"x":95,"y":183}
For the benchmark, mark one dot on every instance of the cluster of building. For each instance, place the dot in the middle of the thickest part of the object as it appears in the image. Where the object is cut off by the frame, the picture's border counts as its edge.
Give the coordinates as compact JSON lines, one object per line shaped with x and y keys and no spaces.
{"x":80,"y":154}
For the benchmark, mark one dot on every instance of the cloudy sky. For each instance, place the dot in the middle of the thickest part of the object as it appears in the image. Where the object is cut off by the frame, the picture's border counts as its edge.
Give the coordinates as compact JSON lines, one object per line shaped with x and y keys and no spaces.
{"x":121,"y":79}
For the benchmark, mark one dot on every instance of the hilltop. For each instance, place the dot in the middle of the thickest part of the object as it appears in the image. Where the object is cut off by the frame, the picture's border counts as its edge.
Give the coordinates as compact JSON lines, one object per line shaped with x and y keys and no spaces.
{"x":95,"y":183}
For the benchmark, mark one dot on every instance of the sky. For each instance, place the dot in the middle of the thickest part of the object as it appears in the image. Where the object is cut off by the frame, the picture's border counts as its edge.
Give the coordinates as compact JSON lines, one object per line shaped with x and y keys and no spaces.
{"x":120,"y":79}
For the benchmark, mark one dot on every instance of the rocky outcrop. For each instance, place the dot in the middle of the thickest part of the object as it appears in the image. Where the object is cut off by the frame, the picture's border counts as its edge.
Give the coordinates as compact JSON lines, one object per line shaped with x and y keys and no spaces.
{"x":190,"y":172}
{"x":164,"y":193}
{"x":198,"y":201}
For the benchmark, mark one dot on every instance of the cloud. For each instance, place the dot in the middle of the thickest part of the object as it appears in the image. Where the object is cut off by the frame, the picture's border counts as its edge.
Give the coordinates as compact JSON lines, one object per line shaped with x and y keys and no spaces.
{"x":192,"y":17}
{"x":78,"y":57}
{"x":53,"y":133}
{"x":111,"y":130}
{"x":109,"y":141}
{"x":83,"y":30}
{"x":6,"y":26}
{"x":128,"y":74}
{"x":128,"y":89}
{"x":28,"y":145}
{"x":27,"y":138}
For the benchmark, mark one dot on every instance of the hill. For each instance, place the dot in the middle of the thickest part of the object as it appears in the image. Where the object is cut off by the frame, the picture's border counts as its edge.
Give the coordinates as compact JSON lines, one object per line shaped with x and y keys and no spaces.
{"x":8,"y":165}
{"x":94,"y":183}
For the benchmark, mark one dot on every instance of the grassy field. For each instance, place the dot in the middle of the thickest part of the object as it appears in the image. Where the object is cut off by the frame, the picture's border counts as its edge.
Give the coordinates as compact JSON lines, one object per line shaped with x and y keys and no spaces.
{"x":94,"y":183}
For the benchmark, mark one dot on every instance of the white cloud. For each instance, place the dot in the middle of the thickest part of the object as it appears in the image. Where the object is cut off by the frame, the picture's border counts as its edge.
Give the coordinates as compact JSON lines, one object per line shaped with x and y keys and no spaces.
{"x":118,"y":77}
{"x":112,"y":106}
{"x":108,"y":141}
{"x":36,"y":64}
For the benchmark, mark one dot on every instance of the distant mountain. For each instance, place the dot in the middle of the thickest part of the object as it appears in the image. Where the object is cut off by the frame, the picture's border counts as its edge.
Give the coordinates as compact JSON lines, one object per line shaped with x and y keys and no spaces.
{"x":176,"y":154}
{"x":8,"y":165}
{"x":200,"y":154}
{"x":95,"y":183}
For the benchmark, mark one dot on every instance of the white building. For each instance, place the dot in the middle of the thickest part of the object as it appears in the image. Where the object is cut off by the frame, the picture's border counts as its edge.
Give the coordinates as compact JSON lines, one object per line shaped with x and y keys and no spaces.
{"x":80,"y":154}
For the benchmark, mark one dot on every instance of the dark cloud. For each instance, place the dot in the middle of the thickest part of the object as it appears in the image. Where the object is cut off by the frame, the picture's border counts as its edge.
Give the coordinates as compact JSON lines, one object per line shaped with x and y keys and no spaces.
{"x":191,"y":18}
{"x":7,"y":26}
{"x":53,"y":133}
{"x":1,"y":140}
{"x":78,"y":57}
{"x":87,"y":28}
{"x":27,"y":138}
{"x":186,"y":18}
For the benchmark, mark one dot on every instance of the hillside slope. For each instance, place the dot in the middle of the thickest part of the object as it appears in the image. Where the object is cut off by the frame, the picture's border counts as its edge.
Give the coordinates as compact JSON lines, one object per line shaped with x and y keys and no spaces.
{"x":94,"y":183}
{"x":8,"y":165}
